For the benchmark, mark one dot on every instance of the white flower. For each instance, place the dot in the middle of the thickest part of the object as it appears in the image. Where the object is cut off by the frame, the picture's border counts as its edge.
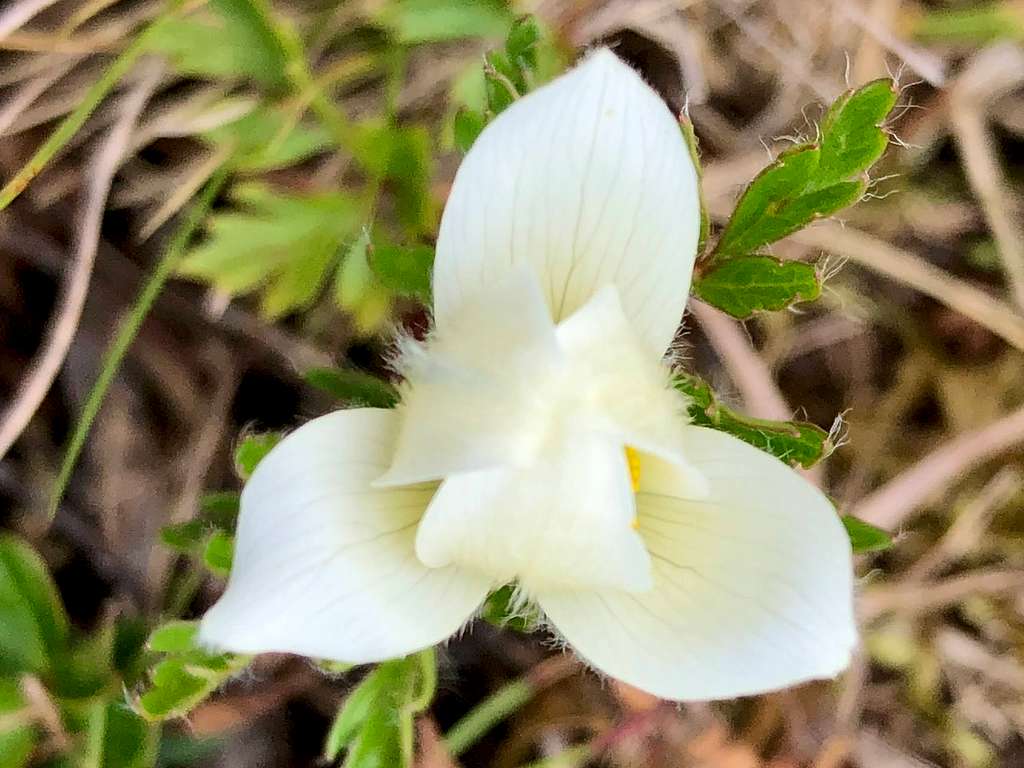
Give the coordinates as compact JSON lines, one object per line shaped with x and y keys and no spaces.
{"x":539,"y":440}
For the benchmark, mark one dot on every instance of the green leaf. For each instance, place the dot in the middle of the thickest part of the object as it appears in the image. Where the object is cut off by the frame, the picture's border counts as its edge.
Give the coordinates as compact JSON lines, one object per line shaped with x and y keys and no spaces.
{"x":795,"y":442}
{"x":184,"y":537}
{"x":404,"y":270}
{"x":17,"y":735}
{"x":230,"y":41}
{"x":776,"y":204}
{"x":353,"y":387}
{"x":865,"y":537}
{"x":174,"y":691}
{"x":521,"y":42}
{"x":119,"y":738}
{"x":690,"y":138}
{"x":220,"y":550}
{"x":252,"y":449}
{"x":851,"y":139}
{"x":264,"y":140}
{"x":353,"y":714}
{"x":749,"y":284}
{"x":426,"y":21}
{"x":174,"y":637}
{"x":33,"y":624}
{"x":468,"y":125}
{"x":220,"y":509}
{"x":286,"y":244}
{"x":358,"y":290}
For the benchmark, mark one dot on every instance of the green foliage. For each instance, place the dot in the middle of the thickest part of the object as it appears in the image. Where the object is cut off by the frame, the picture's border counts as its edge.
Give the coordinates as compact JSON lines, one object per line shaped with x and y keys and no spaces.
{"x":185,"y":675}
{"x":17,"y":735}
{"x":118,"y":738}
{"x":285,"y":244}
{"x":805,"y":183}
{"x":425,"y":21}
{"x":404,"y":270}
{"x":865,"y":537}
{"x":251,"y":451}
{"x":971,"y":24}
{"x":749,"y":284}
{"x":266,"y":138}
{"x":219,"y":551}
{"x":795,"y":442}
{"x":232,"y":40}
{"x":33,"y":624}
{"x":353,"y":387}
{"x":375,"y":724}
{"x":782,"y":199}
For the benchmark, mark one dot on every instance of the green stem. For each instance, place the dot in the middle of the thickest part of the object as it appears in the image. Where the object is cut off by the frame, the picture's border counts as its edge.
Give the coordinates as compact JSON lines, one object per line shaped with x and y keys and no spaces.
{"x":129,"y":329}
{"x":488,"y":713}
{"x":74,"y":121}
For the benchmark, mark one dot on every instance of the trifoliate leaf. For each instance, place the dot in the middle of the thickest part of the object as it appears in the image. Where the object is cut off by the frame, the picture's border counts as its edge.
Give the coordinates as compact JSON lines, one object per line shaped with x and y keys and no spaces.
{"x":33,"y":623}
{"x":252,"y":449}
{"x":851,"y":139}
{"x":865,"y":537}
{"x":795,"y":442}
{"x":749,"y":284}
{"x":353,"y":387}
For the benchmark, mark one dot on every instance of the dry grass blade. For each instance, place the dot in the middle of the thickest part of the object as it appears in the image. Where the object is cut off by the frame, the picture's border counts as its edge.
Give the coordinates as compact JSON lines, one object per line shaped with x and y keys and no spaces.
{"x":100,"y":175}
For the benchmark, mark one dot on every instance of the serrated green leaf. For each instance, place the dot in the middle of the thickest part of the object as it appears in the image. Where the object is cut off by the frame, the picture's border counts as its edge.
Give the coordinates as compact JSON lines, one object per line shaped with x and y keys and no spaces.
{"x":220,"y":550}
{"x":795,"y":442}
{"x":426,"y":21}
{"x":287,"y":243}
{"x":252,"y":449}
{"x":468,"y":125}
{"x":775,"y":203}
{"x":231,"y":40}
{"x":749,"y":284}
{"x":174,"y":637}
{"x":405,"y":270}
{"x":184,"y":537}
{"x":174,"y":691}
{"x":33,"y":623}
{"x":865,"y":537}
{"x":353,"y":387}
{"x":851,"y":139}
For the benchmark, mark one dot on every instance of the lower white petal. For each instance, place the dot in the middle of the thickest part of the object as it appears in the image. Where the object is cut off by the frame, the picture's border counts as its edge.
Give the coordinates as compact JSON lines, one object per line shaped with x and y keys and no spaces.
{"x":325,"y":565}
{"x":753,"y":583}
{"x":567,"y":521}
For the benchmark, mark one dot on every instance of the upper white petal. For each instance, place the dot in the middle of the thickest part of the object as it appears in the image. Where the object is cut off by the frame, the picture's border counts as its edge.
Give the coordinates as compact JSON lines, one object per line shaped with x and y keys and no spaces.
{"x":753,"y":583}
{"x":587,"y":180}
{"x":324,"y":564}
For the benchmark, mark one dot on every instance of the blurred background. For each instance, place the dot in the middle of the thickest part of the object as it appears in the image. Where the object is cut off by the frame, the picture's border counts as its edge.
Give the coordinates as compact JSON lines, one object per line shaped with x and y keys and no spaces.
{"x":297,"y":121}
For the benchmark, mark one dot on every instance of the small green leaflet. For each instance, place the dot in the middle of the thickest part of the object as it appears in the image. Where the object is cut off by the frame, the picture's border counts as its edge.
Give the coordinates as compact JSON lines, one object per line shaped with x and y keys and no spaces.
{"x":220,"y":549}
{"x":174,"y":637}
{"x":404,"y":270}
{"x":353,"y":387}
{"x":748,"y":284}
{"x":795,"y":442}
{"x":813,"y":180}
{"x":252,"y":449}
{"x":865,"y":537}
{"x":428,"y":21}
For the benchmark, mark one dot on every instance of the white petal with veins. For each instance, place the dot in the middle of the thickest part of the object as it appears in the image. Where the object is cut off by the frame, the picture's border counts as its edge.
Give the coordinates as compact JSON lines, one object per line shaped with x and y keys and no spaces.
{"x":588,"y":182}
{"x":324,"y":564}
{"x":752,"y":583}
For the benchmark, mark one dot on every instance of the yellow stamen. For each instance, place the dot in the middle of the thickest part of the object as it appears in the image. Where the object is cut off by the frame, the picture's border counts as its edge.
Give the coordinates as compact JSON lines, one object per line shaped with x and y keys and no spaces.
{"x":633,"y":462}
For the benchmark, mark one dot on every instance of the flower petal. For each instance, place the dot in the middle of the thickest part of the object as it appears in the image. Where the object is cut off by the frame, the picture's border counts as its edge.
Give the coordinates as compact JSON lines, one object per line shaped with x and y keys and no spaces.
{"x":325,"y":565}
{"x":753,"y":583}
{"x":588,"y":181}
{"x":567,"y":521}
